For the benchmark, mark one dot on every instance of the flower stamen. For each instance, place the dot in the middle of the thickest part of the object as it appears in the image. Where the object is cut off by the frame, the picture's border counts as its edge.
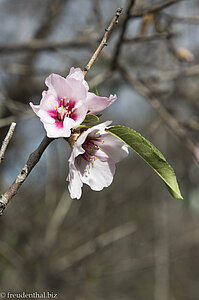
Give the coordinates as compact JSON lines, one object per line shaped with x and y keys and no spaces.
{"x":91,"y":147}
{"x":65,"y":109}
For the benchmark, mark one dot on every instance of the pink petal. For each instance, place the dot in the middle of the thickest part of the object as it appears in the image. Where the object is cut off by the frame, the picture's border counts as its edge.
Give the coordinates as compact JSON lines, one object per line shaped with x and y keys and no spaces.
{"x":78,"y":75}
{"x":78,"y":91}
{"x":48,"y":101}
{"x":58,"y":85}
{"x":80,"y":114}
{"x":97,"y":103}
{"x":46,"y":111}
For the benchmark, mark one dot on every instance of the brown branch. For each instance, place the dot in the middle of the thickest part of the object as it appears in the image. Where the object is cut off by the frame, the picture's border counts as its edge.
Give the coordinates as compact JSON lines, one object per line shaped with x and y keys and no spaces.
{"x":6,"y":141}
{"x":30,"y":164}
{"x":192,"y":124}
{"x":154,"y":8}
{"x":103,"y":41}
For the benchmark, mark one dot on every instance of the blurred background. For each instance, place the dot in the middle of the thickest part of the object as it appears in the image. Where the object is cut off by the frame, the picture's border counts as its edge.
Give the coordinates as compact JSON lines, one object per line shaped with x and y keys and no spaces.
{"x":132,"y":240}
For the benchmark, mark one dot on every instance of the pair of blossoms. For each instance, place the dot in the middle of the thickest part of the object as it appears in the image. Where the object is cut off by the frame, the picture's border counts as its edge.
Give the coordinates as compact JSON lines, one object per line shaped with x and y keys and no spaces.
{"x":62,"y":109}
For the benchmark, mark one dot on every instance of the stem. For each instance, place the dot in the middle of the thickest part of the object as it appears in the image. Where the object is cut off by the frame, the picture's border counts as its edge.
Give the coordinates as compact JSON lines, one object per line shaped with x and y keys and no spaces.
{"x":103,"y":41}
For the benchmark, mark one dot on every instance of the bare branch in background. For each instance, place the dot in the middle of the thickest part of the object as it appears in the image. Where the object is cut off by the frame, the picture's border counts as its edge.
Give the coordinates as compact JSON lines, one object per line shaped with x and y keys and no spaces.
{"x":99,"y":79}
{"x":172,"y":75}
{"x":122,"y":34}
{"x":169,"y":120}
{"x":22,"y":116}
{"x":189,"y":20}
{"x":52,"y":13}
{"x":98,"y":242}
{"x":153,"y":8}
{"x":7,"y":140}
{"x":43,"y":45}
{"x":158,"y":36}
{"x":57,"y":219}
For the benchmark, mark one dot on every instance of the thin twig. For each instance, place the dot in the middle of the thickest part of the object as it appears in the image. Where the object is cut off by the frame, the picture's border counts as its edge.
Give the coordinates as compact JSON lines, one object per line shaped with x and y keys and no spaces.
{"x":7,"y":140}
{"x":103,"y":41}
{"x":30,"y":164}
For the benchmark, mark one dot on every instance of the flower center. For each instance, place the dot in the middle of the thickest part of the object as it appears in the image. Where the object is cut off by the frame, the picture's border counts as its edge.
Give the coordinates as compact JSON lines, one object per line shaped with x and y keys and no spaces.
{"x":91,"y":147}
{"x":65,"y":109}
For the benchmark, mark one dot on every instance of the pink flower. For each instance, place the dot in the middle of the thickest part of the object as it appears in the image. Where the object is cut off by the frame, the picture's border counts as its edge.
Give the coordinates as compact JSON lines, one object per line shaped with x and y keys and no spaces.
{"x":66,"y":102}
{"x":93,"y":159}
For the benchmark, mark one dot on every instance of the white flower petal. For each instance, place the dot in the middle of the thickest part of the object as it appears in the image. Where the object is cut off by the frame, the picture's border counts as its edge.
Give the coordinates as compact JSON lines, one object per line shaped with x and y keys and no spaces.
{"x":97,"y":175}
{"x":114,"y":147}
{"x":58,"y":85}
{"x":75,"y":183}
{"x":56,"y":131}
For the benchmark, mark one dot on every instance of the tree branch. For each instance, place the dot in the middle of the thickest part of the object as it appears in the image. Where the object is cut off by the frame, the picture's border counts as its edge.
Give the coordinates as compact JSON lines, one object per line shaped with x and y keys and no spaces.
{"x":7,"y":140}
{"x":30,"y":164}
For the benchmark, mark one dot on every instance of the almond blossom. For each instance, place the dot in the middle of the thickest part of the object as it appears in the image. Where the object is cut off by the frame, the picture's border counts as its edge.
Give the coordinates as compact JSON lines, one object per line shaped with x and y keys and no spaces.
{"x":93,"y":159}
{"x":66,"y":102}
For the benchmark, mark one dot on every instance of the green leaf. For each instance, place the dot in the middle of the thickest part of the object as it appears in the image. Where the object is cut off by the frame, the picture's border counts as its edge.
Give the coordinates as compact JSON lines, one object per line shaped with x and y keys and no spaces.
{"x":150,"y":154}
{"x":90,"y":119}
{"x":95,"y":91}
